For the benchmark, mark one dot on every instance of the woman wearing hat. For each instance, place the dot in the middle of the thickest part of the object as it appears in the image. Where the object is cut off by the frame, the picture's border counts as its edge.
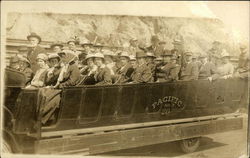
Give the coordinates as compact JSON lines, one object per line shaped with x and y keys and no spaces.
{"x":54,"y":70}
{"x":70,"y":74}
{"x":142,"y":73}
{"x":103,"y":74}
{"x":109,"y":61}
{"x":25,"y":68}
{"x":123,"y":74}
{"x":35,"y":49}
{"x":88,"y":71}
{"x":39,"y":77}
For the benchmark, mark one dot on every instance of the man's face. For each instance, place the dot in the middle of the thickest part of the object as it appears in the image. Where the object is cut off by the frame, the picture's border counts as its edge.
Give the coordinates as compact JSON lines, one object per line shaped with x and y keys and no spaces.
{"x":189,"y":58}
{"x":53,"y":62}
{"x":141,"y":61}
{"x":90,"y":62}
{"x":123,"y":61}
{"x":133,"y":63}
{"x":108,"y":59}
{"x":72,"y":45}
{"x":57,"y":49}
{"x":86,"y":48}
{"x":203,"y":60}
{"x":166,"y":59}
{"x":33,"y":41}
{"x":98,"y":61}
{"x":225,"y":60}
{"x":149,"y":59}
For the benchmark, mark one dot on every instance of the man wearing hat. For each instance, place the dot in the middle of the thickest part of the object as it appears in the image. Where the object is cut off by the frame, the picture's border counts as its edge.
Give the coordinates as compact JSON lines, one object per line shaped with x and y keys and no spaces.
{"x":167,"y":71}
{"x":72,"y":46}
{"x":190,"y":71}
{"x":25,"y":68}
{"x":142,"y":73}
{"x":14,"y":63}
{"x":243,"y":57}
{"x":179,"y":51}
{"x":123,"y":74}
{"x":150,"y":63}
{"x":132,"y":61}
{"x":109,"y":61}
{"x":207,"y":69}
{"x":155,"y":46}
{"x":35,"y":49}
{"x":103,"y":73}
{"x":215,"y":50}
{"x":133,"y":46}
{"x":226,"y":69}
{"x":56,"y":47}
{"x":86,"y":45}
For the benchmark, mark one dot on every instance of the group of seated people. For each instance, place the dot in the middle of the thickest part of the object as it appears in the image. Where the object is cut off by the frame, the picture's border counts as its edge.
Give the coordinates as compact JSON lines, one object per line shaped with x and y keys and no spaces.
{"x":70,"y":67}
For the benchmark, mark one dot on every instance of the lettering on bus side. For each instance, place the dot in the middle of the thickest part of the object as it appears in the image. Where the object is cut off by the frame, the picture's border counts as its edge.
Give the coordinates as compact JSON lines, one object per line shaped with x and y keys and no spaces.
{"x":166,"y":105}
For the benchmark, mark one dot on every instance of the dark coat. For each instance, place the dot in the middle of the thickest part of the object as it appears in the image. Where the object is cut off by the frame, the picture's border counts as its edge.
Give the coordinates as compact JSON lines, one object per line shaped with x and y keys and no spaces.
{"x":28,"y":74}
{"x":103,"y":76}
{"x":71,"y":77}
{"x":142,"y":74}
{"x":168,"y":72}
{"x":207,"y":70}
{"x":190,"y":71}
{"x":32,"y":55}
{"x":123,"y":74}
{"x":51,"y":79}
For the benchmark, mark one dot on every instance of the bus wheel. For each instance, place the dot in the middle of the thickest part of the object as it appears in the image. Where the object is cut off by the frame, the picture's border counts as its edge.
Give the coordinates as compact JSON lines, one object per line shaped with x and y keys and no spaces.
{"x":6,"y":148}
{"x":190,"y":145}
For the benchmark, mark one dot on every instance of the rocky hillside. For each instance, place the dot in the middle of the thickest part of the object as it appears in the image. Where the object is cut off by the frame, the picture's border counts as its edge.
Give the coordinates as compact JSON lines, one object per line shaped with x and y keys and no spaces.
{"x":198,"y":33}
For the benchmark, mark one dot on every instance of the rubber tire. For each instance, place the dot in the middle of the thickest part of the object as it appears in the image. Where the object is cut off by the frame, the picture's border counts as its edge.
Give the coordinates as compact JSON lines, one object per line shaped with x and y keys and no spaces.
{"x":6,"y":147}
{"x":186,"y":147}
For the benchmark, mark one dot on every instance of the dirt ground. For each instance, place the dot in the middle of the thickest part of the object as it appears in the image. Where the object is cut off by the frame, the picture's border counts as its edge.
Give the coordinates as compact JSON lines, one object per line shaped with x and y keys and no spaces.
{"x":232,"y":144}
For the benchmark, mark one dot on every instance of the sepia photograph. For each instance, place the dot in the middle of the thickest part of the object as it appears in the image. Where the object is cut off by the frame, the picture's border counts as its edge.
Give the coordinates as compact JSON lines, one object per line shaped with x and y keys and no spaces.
{"x":124,"y":79}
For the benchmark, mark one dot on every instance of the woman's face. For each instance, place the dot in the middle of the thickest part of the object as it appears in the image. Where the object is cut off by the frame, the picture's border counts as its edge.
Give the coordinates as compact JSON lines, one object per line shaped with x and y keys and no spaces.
{"x":41,"y":63}
{"x":98,"y":61}
{"x":53,"y":62}
{"x":90,"y":62}
{"x":123,"y":61}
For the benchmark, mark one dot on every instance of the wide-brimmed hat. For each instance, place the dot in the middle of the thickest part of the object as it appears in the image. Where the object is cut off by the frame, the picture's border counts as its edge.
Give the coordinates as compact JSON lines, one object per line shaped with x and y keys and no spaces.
{"x":150,"y":54}
{"x":72,"y":40}
{"x":177,"y":41}
{"x":132,"y":58}
{"x":225,"y":54}
{"x":85,"y":42}
{"x":34,"y":35}
{"x":162,"y":42}
{"x":159,"y":59}
{"x":53,"y":56}
{"x":56,"y":44}
{"x":89,"y":56}
{"x":140,"y":54}
{"x":124,"y":54}
{"x":203,"y":56}
{"x":24,"y":59}
{"x":155,"y":38}
{"x":133,"y":39}
{"x":98,"y":45}
{"x":108,"y":53}
{"x":42,"y":56}
{"x":166,"y":52}
{"x":99,"y":55}
{"x":188,"y":54}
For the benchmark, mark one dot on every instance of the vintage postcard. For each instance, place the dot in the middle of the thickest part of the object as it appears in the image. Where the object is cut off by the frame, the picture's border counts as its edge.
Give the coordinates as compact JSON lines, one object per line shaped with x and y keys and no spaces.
{"x":125,"y":79}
